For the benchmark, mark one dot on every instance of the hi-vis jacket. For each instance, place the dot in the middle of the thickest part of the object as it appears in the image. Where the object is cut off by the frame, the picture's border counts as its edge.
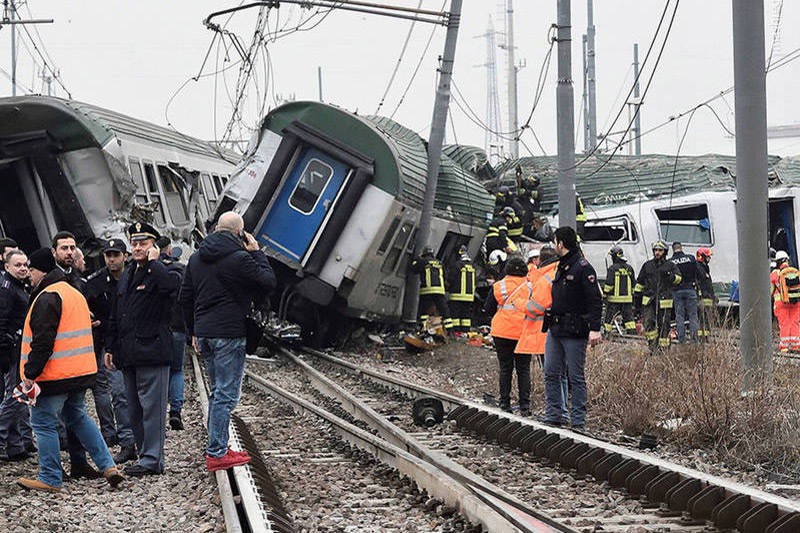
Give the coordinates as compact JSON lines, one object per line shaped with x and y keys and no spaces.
{"x":511,"y":294}
{"x":656,"y":281}
{"x":786,"y":284}
{"x":431,"y":275}
{"x":462,"y":281}
{"x":619,"y":283}
{"x":532,"y":339}
{"x":57,"y":348}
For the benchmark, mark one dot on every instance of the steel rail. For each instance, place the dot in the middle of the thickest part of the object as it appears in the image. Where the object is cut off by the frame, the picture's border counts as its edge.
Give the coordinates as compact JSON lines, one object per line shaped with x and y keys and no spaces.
{"x":241,"y":478}
{"x":674,"y":486}
{"x":437,"y":483}
{"x":515,"y":510}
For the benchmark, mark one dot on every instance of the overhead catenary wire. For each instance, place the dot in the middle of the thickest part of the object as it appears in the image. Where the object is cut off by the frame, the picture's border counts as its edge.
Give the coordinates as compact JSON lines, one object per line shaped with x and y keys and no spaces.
{"x":398,"y":63}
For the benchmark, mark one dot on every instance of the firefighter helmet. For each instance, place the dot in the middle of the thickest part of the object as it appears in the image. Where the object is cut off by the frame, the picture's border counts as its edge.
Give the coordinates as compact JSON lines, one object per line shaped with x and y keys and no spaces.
{"x":616,"y":251}
{"x":508,"y":211}
{"x":660,"y":245}
{"x":497,"y":256}
{"x":704,"y":253}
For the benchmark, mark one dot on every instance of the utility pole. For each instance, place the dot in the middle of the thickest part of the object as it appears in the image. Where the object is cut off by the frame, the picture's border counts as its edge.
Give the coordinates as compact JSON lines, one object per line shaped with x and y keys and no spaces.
{"x":47,"y":80}
{"x":590,"y":73}
{"x":319,"y":82}
{"x":585,"y":99}
{"x":513,"y":120}
{"x":637,"y":125}
{"x":755,"y":319}
{"x":492,"y":139}
{"x":9,"y":18}
{"x":438,"y":124}
{"x":565,"y":119}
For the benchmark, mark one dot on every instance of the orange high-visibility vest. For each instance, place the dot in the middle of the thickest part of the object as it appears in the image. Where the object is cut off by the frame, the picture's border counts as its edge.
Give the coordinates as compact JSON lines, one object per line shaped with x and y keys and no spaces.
{"x":532,"y":340}
{"x":73,"y":349}
{"x":511,"y":294}
{"x":788,"y":285}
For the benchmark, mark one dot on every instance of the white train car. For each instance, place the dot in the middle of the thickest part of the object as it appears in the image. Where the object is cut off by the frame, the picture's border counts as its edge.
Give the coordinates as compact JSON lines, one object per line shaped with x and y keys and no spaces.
{"x":67,"y":165}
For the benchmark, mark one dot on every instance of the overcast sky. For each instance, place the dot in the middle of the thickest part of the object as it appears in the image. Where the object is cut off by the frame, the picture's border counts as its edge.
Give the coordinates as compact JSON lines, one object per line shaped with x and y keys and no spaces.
{"x":133,"y":56}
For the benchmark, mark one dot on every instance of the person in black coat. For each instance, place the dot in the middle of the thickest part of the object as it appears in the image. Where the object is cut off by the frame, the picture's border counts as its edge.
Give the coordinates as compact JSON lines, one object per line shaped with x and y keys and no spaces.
{"x":139,"y":342}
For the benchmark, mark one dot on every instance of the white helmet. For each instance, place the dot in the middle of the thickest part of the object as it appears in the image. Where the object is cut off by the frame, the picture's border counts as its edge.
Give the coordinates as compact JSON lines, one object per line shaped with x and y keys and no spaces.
{"x":781,"y":256}
{"x":533,"y":253}
{"x":496,"y":256}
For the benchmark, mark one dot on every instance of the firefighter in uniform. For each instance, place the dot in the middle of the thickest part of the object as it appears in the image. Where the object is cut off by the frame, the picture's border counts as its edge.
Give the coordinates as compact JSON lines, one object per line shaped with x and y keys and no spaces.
{"x":580,"y":215}
{"x":431,"y":287}
{"x":514,"y":224}
{"x":462,"y":290}
{"x":497,"y":235}
{"x":618,"y":291}
{"x":507,"y":303}
{"x":705,"y":293}
{"x":786,"y":291}
{"x":653,"y":295}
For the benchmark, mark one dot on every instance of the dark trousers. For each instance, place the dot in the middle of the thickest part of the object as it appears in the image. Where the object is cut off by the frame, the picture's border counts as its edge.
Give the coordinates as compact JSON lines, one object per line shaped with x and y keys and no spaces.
{"x":462,"y":315}
{"x":625,"y":310}
{"x":101,"y":391}
{"x":706,"y":318}
{"x":508,"y":361}
{"x":656,"y":325}
{"x":146,"y":389}
{"x":427,"y":303}
{"x":15,"y":424}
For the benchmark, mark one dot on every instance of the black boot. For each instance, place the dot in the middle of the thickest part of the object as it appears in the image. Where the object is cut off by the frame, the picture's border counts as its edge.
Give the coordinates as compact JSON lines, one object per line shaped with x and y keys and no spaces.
{"x":126,"y":453}
{"x":83,"y":469}
{"x":175,"y":421}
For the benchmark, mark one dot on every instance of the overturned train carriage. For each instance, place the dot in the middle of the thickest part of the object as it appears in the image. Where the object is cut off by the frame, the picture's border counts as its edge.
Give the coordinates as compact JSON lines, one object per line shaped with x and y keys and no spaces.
{"x":635,"y":200}
{"x":67,"y":165}
{"x":334,"y":198}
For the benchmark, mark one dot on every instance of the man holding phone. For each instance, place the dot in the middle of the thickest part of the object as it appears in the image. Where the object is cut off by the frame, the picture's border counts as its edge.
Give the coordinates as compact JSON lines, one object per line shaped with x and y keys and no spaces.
{"x":139,"y":342}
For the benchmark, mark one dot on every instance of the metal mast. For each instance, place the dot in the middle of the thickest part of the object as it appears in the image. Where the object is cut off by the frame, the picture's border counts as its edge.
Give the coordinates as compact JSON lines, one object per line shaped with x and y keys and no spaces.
{"x":9,"y":17}
{"x":565,"y":119}
{"x":585,"y":99}
{"x":590,"y":73}
{"x":755,"y":320}
{"x":513,"y":119}
{"x":492,"y":138}
{"x":637,"y":125}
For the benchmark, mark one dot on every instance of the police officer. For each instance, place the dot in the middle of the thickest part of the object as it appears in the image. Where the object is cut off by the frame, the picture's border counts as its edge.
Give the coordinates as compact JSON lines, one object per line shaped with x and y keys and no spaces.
{"x":684,"y":295}
{"x":431,"y":287}
{"x":462,"y":290}
{"x":101,"y":288}
{"x":573,"y":320}
{"x":16,"y":438}
{"x":705,"y":293}
{"x":139,"y":343}
{"x":653,"y":296}
{"x":618,"y":291}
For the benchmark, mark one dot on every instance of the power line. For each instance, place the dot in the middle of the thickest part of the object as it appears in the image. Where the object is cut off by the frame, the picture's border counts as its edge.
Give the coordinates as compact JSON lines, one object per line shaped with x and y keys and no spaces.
{"x":399,"y":61}
{"x":53,"y":73}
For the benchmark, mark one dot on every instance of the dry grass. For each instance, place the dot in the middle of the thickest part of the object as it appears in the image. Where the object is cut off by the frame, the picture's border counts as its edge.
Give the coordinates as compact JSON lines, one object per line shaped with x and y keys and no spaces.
{"x":692,"y":397}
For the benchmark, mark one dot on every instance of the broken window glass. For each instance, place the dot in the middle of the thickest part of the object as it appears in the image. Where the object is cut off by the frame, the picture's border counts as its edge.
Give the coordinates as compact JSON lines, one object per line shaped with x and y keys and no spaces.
{"x":687,"y":224}
{"x":173,"y":195}
{"x":616,"y":229}
{"x":310,"y":186}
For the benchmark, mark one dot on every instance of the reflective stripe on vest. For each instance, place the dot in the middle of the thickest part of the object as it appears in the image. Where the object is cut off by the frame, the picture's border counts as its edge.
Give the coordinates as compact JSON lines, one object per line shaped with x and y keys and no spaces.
{"x":466,"y":289}
{"x":432,"y":279}
{"x":73,"y":348}
{"x":789,"y":285}
{"x":507,"y":321}
{"x":622,"y":292}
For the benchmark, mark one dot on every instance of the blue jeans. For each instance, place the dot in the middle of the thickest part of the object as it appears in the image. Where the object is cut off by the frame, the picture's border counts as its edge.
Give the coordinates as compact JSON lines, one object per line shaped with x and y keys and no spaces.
{"x":176,"y":383}
{"x":225,"y":366}
{"x":565,"y":354}
{"x":44,"y":419}
{"x":685,"y":302}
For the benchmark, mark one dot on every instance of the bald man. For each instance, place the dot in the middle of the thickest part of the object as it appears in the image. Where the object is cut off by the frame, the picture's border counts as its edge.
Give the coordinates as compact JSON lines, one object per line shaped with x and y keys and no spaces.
{"x":222,"y":280}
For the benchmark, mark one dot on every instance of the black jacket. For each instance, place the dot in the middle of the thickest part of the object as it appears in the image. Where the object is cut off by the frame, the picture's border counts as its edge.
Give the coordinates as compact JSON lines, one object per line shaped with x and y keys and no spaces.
{"x":220,"y":284}
{"x":176,"y":314}
{"x":620,"y":280}
{"x":45,"y":316}
{"x":138,"y":328}
{"x":101,"y":288}
{"x":13,"y":310}
{"x":575,"y":294}
{"x":705,"y":285}
{"x":687,"y":266}
{"x":656,"y":281}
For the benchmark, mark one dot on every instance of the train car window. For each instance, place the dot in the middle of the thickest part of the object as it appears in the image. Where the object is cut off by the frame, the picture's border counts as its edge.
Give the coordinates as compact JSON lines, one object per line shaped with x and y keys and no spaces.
{"x":450,"y":245}
{"x":387,"y":239}
{"x":208,"y":186}
{"x":406,"y":259}
{"x":217,"y":184}
{"x":155,"y":196}
{"x":397,"y":248}
{"x":310,"y":186}
{"x":173,"y":195}
{"x":138,"y":179}
{"x":224,"y":180}
{"x":687,"y":224}
{"x":616,"y":229}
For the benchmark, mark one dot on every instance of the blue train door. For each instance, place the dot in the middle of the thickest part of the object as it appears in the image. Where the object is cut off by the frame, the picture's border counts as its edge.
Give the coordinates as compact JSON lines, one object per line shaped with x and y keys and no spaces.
{"x":302,"y":203}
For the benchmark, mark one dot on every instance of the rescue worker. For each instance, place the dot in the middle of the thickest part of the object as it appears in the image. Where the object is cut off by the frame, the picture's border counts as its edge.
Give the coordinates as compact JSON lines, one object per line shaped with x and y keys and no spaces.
{"x":507,"y":303}
{"x":618,"y":292}
{"x":684,"y":295}
{"x":533,"y":263}
{"x":101,"y":288}
{"x":431,"y":287}
{"x":462,"y":291}
{"x":653,"y":296}
{"x":705,"y":293}
{"x":497,"y":234}
{"x":496,"y":264}
{"x":541,"y":230}
{"x":580,"y":215}
{"x":786,"y":290}
{"x":57,"y":354}
{"x":513,"y":224}
{"x":501,"y":199}
{"x":573,"y":321}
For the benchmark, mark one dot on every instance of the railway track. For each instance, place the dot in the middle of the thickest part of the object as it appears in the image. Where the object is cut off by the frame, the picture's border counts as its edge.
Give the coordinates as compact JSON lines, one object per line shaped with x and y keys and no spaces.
{"x":654,"y":494}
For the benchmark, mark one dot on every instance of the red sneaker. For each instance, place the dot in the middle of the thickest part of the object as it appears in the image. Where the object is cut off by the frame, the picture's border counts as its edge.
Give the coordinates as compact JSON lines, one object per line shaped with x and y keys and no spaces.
{"x":242,"y":453}
{"x":225,"y":462}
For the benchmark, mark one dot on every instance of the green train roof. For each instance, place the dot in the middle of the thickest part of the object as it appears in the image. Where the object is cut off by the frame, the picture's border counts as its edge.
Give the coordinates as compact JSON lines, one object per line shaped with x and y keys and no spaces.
{"x":401,"y":159}
{"x":627,"y":179}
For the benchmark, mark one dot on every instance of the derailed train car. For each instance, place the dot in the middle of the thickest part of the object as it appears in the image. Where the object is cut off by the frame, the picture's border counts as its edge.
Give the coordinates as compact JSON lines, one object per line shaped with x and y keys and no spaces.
{"x":67,"y":165}
{"x":334,"y":198}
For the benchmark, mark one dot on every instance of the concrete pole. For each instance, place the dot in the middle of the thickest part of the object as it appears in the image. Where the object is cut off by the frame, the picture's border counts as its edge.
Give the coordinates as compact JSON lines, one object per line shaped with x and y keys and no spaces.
{"x":585,"y":99}
{"x":438,"y":124}
{"x":513,"y":119}
{"x":565,"y":119}
{"x":755,"y":321}
{"x":590,"y":73}
{"x":319,"y":82}
{"x":637,"y":125}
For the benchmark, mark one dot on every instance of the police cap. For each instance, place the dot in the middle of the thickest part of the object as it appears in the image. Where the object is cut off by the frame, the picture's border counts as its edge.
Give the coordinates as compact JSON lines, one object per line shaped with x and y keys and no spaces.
{"x":139,"y":231}
{"x":115,"y":245}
